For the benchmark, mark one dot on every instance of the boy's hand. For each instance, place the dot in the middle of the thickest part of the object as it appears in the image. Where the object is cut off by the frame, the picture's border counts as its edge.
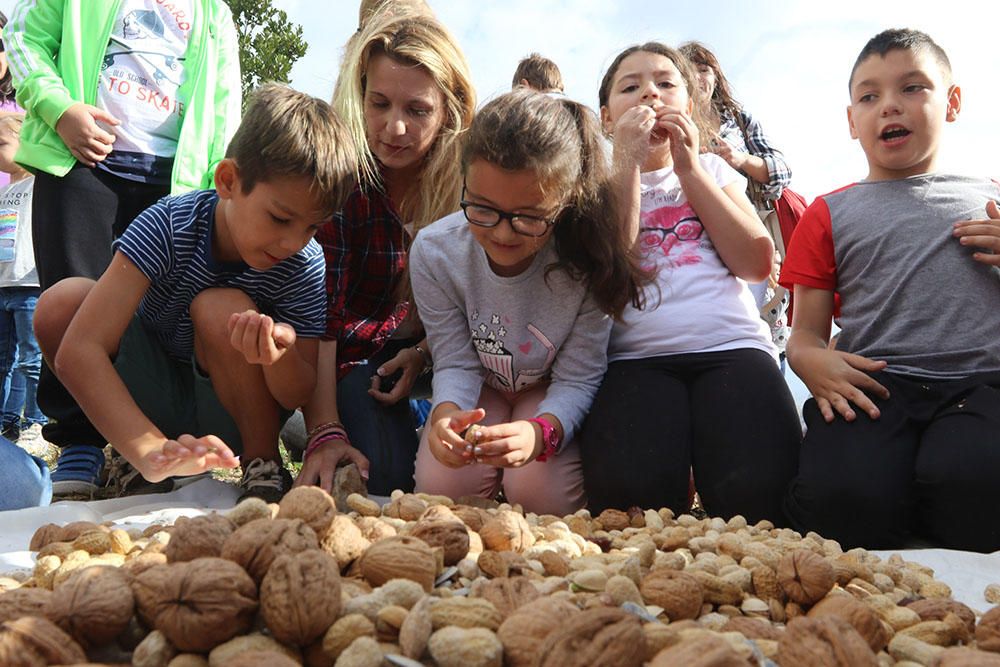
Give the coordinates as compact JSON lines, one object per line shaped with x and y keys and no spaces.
{"x":508,"y":445}
{"x":259,"y":338}
{"x":445,"y":437}
{"x":407,"y":361}
{"x":84,"y":138}
{"x":836,"y":379}
{"x":188,"y":455}
{"x":632,"y":134}
{"x":982,"y":234}
{"x":320,"y":467}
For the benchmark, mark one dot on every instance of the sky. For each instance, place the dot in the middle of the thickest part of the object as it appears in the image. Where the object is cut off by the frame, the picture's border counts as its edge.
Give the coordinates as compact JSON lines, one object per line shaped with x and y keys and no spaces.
{"x":788,"y":61}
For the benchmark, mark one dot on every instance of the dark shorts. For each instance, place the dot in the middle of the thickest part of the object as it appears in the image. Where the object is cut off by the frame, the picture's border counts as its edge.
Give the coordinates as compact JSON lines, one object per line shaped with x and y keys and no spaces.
{"x":175,"y":395}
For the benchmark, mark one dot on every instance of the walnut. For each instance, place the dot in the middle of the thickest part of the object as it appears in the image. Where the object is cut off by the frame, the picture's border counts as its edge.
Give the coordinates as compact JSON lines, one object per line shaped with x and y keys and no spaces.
{"x":506,"y":531}
{"x":23,"y":602}
{"x":465,"y":647}
{"x":678,"y":593}
{"x":198,"y":537}
{"x":44,"y":536}
{"x":700,"y":651}
{"x":311,"y":504}
{"x":32,"y":641}
{"x":509,"y":593}
{"x":197,"y":604}
{"x":528,"y":626}
{"x":936,"y":609}
{"x":602,"y":635}
{"x":473,"y":517}
{"x":861,"y":616}
{"x":806,"y":577}
{"x":347,"y":480}
{"x":300,"y":596}
{"x":94,"y":605}
{"x":614,"y":519}
{"x":344,"y":541}
{"x":255,"y":545}
{"x":492,"y":564}
{"x":824,"y":642}
{"x":988,"y":631}
{"x":400,"y":557}
{"x":448,"y":533}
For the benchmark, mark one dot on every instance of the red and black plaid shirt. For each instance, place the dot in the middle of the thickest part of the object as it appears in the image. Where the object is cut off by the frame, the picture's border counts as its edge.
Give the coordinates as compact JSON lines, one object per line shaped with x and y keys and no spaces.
{"x":365,"y":247}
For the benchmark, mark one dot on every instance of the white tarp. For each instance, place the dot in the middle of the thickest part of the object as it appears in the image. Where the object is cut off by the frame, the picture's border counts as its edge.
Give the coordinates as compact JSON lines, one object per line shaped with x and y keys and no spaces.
{"x":967,"y":573}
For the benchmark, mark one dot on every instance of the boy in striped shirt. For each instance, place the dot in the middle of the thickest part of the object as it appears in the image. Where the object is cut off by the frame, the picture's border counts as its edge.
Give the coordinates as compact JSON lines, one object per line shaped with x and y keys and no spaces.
{"x":201,"y":337}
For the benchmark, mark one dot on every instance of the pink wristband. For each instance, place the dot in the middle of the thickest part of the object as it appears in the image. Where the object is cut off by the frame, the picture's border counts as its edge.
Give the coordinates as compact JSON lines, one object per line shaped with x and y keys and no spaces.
{"x":326,"y":437}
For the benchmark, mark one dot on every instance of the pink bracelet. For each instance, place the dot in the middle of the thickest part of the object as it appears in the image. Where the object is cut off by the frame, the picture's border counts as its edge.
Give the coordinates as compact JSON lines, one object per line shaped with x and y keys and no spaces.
{"x":326,"y":437}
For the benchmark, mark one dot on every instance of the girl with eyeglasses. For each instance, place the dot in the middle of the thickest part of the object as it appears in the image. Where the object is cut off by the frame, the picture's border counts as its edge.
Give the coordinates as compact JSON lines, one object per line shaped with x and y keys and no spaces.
{"x":692,"y":379}
{"x":517,"y":292}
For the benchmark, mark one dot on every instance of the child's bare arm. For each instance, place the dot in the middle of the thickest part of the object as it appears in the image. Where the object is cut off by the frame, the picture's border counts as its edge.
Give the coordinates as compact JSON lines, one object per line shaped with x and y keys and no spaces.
{"x":835,"y":379}
{"x":84,"y":364}
{"x":288,"y":362}
{"x":984,"y":235}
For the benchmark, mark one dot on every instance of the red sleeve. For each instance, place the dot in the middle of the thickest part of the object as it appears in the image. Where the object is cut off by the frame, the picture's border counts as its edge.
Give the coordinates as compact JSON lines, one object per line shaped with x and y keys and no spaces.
{"x":809,"y":260}
{"x":335,"y":239}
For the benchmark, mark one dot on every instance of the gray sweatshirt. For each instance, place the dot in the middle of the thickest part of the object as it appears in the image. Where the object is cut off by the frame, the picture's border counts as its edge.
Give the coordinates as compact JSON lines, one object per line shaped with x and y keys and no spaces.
{"x":510,"y":332}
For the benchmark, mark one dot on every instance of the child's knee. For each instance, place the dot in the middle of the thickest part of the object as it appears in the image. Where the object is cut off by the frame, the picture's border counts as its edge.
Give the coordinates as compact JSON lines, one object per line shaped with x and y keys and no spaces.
{"x":56,"y":308}
{"x":210,"y":311}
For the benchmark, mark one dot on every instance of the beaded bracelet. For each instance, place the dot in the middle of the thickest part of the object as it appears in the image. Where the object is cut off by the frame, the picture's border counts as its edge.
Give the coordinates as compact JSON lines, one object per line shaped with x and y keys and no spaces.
{"x":328,"y":437}
{"x":319,"y":428}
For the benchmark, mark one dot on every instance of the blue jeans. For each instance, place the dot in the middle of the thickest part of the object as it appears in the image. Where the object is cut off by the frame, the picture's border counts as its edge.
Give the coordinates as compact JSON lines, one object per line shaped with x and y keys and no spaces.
{"x":24,"y":478}
{"x":20,"y":357}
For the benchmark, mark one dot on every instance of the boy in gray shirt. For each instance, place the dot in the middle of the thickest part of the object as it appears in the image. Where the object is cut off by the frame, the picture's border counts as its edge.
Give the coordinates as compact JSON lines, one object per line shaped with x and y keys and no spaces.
{"x":904,"y":424}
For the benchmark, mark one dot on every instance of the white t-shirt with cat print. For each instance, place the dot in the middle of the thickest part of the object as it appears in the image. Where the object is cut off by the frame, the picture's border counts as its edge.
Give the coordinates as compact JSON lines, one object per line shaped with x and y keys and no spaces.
{"x":695,"y":303}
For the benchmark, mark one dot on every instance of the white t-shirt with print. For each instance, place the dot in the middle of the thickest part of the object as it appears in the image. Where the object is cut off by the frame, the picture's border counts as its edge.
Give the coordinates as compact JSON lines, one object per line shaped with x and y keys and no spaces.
{"x":695,"y":304}
{"x":143,"y":69}
{"x":17,"y":259}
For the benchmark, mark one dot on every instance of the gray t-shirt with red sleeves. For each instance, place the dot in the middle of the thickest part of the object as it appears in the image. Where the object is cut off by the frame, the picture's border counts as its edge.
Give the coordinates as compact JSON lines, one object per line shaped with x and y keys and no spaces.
{"x":911,"y":294}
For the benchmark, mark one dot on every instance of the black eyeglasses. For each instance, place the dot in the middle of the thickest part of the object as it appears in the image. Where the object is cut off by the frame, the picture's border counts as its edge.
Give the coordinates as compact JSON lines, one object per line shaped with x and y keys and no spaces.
{"x":487,"y":216}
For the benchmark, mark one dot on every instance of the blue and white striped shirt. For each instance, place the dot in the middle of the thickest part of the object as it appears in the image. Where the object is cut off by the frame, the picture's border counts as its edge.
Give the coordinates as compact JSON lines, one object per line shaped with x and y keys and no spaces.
{"x":171,"y":243}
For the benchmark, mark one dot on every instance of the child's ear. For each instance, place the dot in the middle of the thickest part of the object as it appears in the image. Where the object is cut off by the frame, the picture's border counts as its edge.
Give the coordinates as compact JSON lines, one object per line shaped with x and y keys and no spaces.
{"x":227,"y":178}
{"x":954,"y":104}
{"x":606,"y":123}
{"x":850,"y":123}
{"x":690,"y":107}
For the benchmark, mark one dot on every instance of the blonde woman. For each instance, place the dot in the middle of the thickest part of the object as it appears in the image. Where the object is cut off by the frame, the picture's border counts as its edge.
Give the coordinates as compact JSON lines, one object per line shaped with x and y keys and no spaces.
{"x":406,"y":94}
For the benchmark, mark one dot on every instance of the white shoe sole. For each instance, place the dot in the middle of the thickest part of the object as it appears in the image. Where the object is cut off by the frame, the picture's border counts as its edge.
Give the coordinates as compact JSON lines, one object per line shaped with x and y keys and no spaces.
{"x":73,"y":487}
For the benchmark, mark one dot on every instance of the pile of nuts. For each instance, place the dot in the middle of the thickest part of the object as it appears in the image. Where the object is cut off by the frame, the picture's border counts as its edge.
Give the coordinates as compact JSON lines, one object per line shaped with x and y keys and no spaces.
{"x":423,"y":580}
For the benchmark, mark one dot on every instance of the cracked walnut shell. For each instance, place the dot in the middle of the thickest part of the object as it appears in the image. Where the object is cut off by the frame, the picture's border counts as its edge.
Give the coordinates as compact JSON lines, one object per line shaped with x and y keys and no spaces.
{"x":196,"y":604}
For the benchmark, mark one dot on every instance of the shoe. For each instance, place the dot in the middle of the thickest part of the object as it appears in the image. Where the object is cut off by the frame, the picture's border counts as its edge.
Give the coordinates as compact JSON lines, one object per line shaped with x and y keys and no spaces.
{"x":78,"y":470}
{"x":34,"y":443}
{"x":267,"y":480}
{"x":124,"y":480}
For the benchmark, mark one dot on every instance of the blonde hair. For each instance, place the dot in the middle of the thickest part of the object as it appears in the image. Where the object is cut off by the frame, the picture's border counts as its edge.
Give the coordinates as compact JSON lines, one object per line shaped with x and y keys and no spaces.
{"x":369,"y":8}
{"x":287,"y":133}
{"x":418,"y":39}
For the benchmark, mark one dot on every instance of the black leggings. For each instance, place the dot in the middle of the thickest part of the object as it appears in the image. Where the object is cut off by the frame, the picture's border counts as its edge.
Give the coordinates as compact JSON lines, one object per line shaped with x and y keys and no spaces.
{"x":728,"y":415}
{"x":74,"y":219}
{"x":928,"y":466}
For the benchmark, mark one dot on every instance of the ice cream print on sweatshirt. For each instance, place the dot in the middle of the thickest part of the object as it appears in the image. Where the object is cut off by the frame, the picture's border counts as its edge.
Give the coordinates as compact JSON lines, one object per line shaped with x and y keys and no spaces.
{"x":516,"y":358}
{"x":142,"y":70}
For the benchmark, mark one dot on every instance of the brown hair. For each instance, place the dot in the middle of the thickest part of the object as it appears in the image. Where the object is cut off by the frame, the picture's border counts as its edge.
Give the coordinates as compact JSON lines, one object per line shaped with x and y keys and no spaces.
{"x":683,"y":66}
{"x":541,"y":74}
{"x":722,"y":99}
{"x":560,"y":140}
{"x":285,"y":133}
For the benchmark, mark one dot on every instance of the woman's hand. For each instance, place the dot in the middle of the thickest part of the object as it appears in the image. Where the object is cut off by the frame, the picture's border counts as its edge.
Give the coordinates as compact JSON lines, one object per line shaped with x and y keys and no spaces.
{"x":320,"y":467}
{"x":407,"y":361}
{"x":509,"y":445}
{"x":445,"y":435}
